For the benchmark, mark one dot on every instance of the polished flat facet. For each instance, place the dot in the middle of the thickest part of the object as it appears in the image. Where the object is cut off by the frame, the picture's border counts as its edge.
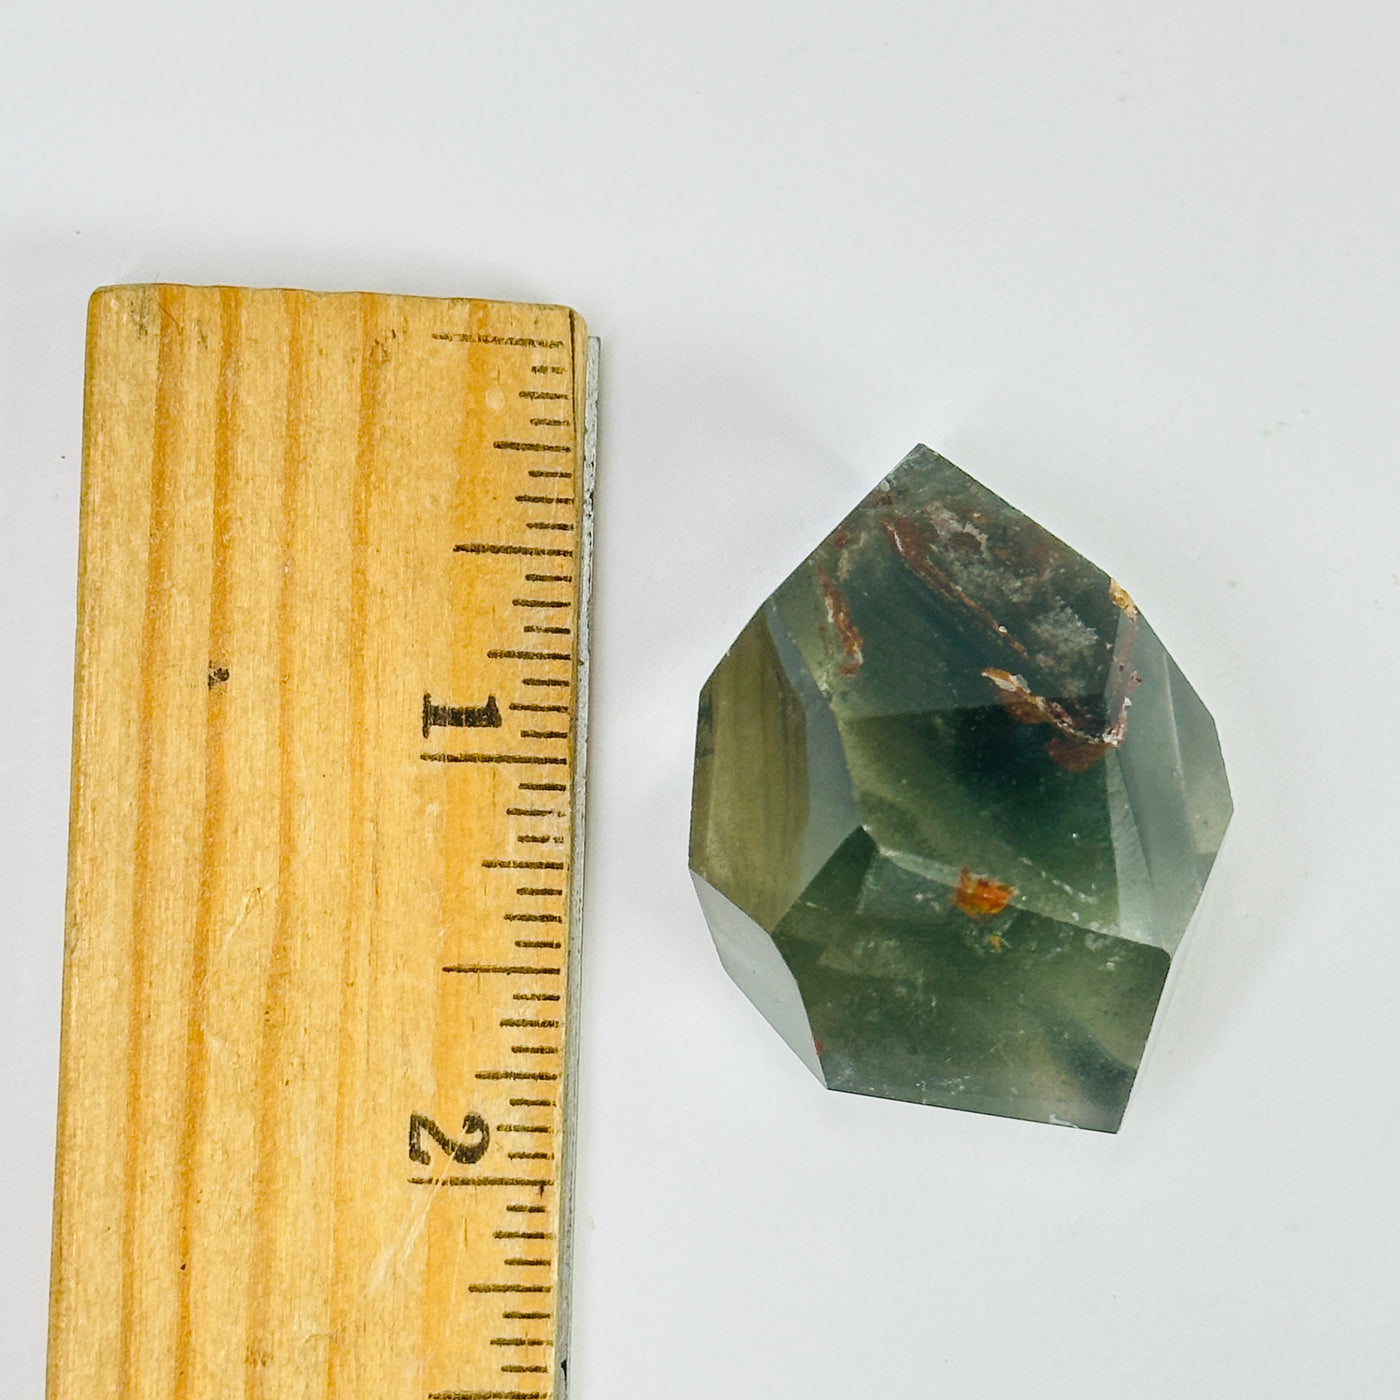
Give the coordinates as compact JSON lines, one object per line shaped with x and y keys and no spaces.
{"x":954,"y":806}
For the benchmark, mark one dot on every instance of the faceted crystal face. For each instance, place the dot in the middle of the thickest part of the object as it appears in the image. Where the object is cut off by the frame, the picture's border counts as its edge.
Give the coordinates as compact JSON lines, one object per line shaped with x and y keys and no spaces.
{"x":954,"y":806}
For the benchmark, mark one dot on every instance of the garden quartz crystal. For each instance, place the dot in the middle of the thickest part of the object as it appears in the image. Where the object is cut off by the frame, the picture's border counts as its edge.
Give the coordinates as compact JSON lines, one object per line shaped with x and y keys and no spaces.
{"x":954,"y":806}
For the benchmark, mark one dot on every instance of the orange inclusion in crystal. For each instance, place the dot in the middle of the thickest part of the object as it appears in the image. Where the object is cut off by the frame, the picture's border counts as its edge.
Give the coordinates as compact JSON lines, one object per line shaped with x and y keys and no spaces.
{"x":980,"y":897}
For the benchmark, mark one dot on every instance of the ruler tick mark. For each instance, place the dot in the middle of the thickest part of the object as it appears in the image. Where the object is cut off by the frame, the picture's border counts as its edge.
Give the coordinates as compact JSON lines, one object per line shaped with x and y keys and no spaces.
{"x":487,"y":1395}
{"x":505,"y":969}
{"x":534,"y":551}
{"x":479,"y":1181}
{"x":490,"y":758}
{"x":505,"y":445}
{"x":467,"y":337}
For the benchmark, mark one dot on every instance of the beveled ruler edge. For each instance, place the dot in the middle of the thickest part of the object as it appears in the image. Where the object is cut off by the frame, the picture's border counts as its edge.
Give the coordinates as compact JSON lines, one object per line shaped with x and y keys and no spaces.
{"x":578,"y":803}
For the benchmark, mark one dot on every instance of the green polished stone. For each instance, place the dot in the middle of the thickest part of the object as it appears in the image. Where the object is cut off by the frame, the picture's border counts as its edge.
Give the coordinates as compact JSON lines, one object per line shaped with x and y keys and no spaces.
{"x":954,"y":806}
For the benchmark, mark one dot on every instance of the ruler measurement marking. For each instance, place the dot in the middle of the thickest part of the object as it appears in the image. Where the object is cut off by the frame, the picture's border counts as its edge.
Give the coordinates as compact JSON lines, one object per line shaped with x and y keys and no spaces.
{"x":532,"y":551}
{"x":454,"y":1181}
{"x":487,"y":1395}
{"x":545,"y":759}
{"x":484,"y":968}
{"x":528,"y":603}
{"x":468,"y":338}
{"x":519,"y":810}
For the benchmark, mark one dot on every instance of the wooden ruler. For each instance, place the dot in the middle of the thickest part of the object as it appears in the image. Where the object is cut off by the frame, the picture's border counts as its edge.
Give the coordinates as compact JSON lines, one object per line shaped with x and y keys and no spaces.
{"x":325,"y":855}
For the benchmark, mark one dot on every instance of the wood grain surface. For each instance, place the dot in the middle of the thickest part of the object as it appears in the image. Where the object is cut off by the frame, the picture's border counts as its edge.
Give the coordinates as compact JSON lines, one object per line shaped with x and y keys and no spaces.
{"x":313,"y":1085}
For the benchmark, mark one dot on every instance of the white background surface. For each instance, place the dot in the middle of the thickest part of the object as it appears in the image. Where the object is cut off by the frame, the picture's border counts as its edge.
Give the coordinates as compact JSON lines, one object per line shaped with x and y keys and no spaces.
{"x":1133,"y":265}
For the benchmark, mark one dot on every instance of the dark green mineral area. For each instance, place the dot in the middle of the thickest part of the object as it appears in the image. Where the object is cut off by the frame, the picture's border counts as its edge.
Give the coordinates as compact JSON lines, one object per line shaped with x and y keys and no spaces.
{"x":954,"y":806}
